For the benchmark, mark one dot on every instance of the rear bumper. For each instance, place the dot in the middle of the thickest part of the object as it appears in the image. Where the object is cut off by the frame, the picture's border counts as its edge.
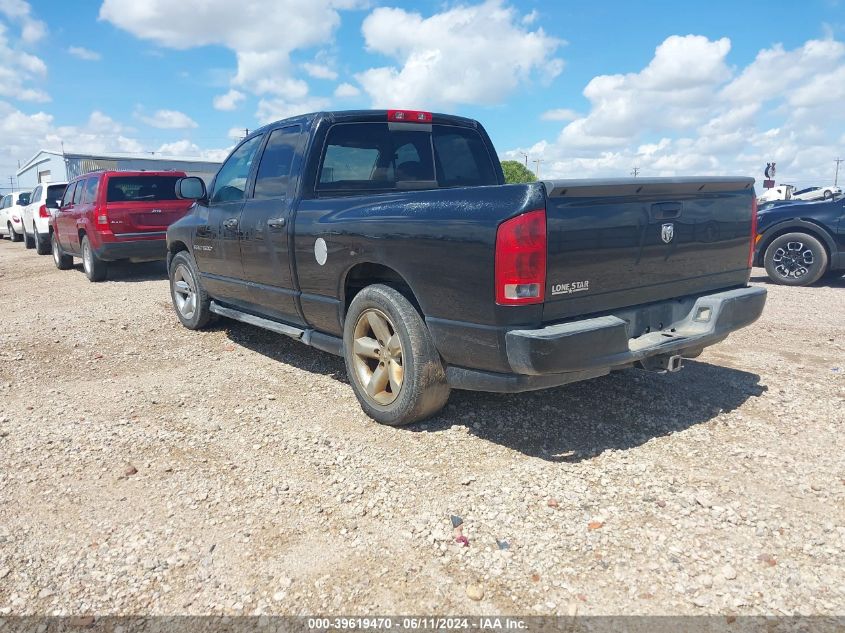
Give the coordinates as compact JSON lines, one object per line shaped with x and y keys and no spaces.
{"x":578,"y":350}
{"x":134,"y":249}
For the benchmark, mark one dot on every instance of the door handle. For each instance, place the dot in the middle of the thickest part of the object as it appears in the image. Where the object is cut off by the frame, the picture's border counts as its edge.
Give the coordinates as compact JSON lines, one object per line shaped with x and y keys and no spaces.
{"x":277,"y":223}
{"x":231,"y":223}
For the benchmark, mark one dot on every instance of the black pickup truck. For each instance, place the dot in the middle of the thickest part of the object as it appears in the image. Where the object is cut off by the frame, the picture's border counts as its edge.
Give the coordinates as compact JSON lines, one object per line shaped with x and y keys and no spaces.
{"x":390,"y":238}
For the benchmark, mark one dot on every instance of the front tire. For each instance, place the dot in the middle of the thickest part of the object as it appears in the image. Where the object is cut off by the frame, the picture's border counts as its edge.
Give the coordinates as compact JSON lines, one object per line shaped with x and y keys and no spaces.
{"x":190,"y":299}
{"x":795,"y":259}
{"x":62,"y":261}
{"x":94,"y":267}
{"x":12,"y":235}
{"x":393,"y":366}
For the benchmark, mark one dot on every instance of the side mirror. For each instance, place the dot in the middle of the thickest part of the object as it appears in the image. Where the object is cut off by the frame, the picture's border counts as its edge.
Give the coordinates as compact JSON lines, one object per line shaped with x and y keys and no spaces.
{"x":21,"y":202}
{"x":190,"y":188}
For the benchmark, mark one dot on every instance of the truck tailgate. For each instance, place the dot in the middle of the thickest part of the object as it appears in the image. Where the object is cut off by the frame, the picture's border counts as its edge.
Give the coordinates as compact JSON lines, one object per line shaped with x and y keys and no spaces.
{"x":619,"y":243}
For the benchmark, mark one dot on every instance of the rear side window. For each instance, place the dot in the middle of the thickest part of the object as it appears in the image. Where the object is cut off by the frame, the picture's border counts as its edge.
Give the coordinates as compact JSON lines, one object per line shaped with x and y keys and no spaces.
{"x":274,"y":168}
{"x":91,"y":187}
{"x":141,"y":188}
{"x":368,"y":156}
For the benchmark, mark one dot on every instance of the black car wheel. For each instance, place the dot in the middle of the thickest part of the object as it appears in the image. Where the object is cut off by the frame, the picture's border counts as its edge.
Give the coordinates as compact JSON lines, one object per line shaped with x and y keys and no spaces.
{"x":393,"y":366}
{"x":29,"y":240}
{"x":795,"y":259}
{"x":42,"y":244}
{"x":190,"y":299}
{"x":12,"y":235}
{"x":828,"y":194}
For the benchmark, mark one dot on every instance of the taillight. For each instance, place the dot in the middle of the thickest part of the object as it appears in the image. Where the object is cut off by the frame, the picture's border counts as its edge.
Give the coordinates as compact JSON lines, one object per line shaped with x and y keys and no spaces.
{"x":102,"y":219}
{"x":42,"y":211}
{"x":408,"y":116}
{"x":521,"y":259}
{"x":753,"y":231}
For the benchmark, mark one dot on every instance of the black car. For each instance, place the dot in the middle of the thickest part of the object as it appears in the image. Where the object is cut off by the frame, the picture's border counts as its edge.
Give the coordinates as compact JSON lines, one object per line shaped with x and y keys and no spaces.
{"x":800,"y":242}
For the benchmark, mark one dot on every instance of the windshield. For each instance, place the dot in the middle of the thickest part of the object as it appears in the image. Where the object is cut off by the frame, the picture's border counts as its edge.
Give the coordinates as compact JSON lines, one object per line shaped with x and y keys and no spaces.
{"x":141,"y":188}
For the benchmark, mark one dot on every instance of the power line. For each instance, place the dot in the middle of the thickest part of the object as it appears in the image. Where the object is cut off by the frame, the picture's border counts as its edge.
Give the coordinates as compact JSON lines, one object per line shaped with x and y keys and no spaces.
{"x":635,"y":172}
{"x":537,"y":162}
{"x":836,"y":178}
{"x":525,"y":156}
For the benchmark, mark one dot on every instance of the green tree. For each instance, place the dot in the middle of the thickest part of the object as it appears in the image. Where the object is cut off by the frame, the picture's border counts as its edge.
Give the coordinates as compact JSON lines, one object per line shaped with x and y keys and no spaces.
{"x":516,"y":172}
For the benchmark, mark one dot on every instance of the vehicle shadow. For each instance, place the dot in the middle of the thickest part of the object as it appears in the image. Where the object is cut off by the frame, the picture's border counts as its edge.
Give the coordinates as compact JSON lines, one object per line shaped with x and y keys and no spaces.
{"x":836,"y":281}
{"x":567,"y":424}
{"x":129,"y":272}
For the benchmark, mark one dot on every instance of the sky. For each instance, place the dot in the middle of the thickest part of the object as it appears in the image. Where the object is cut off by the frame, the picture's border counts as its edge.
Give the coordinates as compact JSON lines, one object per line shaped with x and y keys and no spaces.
{"x":588,"y":88}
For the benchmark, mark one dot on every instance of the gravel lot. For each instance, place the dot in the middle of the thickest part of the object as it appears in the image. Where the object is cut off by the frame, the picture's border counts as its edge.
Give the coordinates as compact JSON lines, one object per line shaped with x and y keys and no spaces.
{"x":147,"y":469}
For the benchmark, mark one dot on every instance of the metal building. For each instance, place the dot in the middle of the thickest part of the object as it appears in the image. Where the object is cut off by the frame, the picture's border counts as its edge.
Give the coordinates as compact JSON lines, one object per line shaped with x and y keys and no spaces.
{"x":50,"y":166}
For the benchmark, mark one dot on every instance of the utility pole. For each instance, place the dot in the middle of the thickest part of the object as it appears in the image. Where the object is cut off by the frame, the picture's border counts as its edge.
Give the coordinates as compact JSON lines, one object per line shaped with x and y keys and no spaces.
{"x":537,"y":162}
{"x":635,"y":172}
{"x":836,"y":178}
{"x":525,"y":156}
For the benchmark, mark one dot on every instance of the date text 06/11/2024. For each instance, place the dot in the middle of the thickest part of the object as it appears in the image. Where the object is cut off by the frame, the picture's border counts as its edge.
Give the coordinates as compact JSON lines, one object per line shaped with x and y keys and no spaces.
{"x":417,"y":623}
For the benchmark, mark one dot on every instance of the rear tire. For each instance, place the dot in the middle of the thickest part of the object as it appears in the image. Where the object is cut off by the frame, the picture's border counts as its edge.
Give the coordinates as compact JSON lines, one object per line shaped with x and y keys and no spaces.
{"x":12,"y":235}
{"x":42,"y":244}
{"x":190,"y":300}
{"x":95,"y":268}
{"x":29,"y":240}
{"x":828,"y":194}
{"x":392,"y":363}
{"x":795,"y":259}
{"x":62,"y":261}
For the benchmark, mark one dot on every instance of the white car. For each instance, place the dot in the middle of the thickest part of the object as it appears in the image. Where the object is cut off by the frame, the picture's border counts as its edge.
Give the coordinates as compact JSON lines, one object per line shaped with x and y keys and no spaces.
{"x":781,"y":192}
{"x":817,"y":193}
{"x":43,"y":203}
{"x":11,"y":214}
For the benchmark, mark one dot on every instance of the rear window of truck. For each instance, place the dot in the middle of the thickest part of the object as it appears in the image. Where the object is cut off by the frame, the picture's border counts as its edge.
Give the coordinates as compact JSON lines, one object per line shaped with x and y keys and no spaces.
{"x":371,"y":156}
{"x":141,"y":188}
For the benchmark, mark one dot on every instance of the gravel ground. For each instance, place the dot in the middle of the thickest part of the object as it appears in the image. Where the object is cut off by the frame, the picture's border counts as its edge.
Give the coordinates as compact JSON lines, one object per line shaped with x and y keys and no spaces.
{"x":148,"y":469}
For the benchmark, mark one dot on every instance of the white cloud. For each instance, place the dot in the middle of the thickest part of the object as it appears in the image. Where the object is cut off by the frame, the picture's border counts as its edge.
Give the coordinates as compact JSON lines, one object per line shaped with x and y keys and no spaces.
{"x":262,"y":34}
{"x":689,"y":111}
{"x":187,"y":149}
{"x":559,"y":114}
{"x":470,"y":54}
{"x":273,"y":109}
{"x":320,"y":71}
{"x":19,"y":69}
{"x":229,"y":101}
{"x":83,"y":53}
{"x":345,"y":91}
{"x":168,"y":120}
{"x":32,"y":30}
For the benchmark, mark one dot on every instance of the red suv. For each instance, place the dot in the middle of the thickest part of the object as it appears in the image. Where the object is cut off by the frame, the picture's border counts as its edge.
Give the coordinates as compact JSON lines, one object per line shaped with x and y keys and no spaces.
{"x":110,"y":215}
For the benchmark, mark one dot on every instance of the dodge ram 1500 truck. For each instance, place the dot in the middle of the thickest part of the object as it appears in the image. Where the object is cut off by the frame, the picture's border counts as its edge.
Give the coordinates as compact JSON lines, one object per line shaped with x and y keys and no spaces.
{"x":390,"y":238}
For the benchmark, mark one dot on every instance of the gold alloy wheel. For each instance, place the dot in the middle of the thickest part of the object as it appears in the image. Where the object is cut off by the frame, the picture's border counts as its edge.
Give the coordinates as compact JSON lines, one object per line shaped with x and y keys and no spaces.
{"x":377,"y":356}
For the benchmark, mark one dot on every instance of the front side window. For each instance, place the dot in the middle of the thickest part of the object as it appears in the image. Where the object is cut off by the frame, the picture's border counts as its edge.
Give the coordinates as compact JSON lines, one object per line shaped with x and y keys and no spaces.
{"x":141,"y":188}
{"x":276,"y":161}
{"x":68,"y":195}
{"x":77,"y":193}
{"x":6,"y":200}
{"x":230,"y":183}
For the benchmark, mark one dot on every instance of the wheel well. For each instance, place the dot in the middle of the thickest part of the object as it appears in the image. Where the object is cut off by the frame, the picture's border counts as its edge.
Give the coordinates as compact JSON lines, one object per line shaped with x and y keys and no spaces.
{"x":816,"y":233}
{"x":81,"y":233}
{"x":176,"y":247}
{"x":362,"y":275}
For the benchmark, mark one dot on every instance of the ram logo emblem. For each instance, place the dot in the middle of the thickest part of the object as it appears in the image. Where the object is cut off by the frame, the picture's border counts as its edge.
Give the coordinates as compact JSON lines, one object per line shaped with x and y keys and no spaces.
{"x":667,"y":232}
